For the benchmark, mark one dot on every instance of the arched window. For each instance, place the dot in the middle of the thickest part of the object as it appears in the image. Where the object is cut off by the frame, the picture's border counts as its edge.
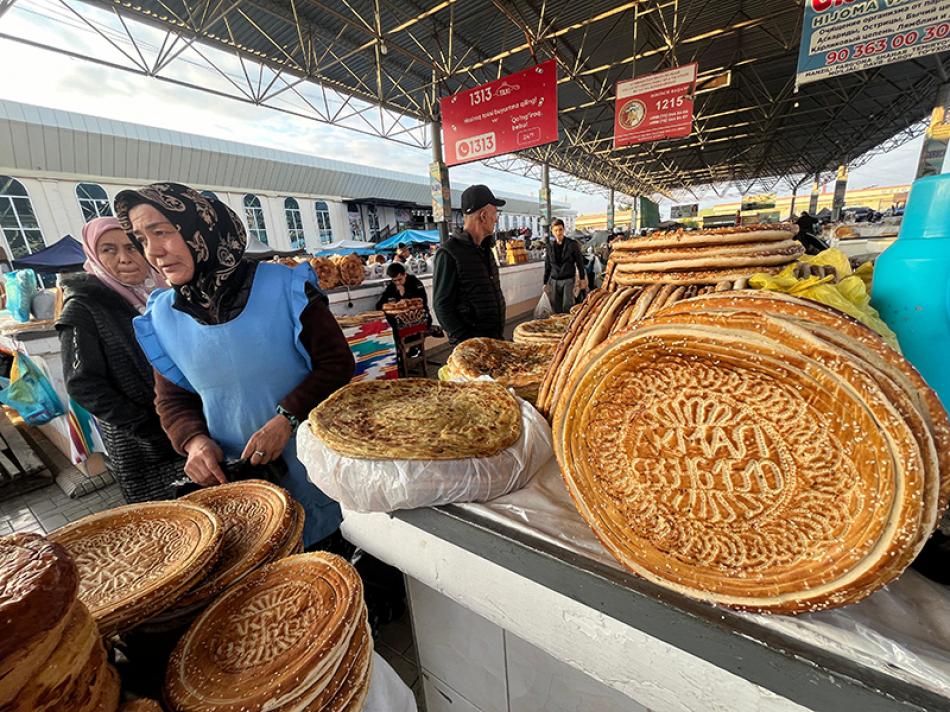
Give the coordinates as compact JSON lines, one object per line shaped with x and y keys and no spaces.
{"x":93,"y":201}
{"x":254,"y":214}
{"x":294,"y":223}
{"x":21,"y":231}
{"x":372,"y":217}
{"x":323,"y":222}
{"x":210,"y":194}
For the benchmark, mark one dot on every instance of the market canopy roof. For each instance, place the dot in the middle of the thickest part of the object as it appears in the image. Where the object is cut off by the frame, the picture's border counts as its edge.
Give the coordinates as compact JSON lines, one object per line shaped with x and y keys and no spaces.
{"x":346,"y":247}
{"x":382,"y":66}
{"x":412,"y":237}
{"x":63,"y":255}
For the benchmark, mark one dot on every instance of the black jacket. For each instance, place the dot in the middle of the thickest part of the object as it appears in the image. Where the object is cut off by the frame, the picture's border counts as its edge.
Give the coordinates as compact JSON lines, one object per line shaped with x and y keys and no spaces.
{"x":104,"y":368}
{"x":563,"y":262}
{"x":467,"y":289}
{"x":414,"y":290}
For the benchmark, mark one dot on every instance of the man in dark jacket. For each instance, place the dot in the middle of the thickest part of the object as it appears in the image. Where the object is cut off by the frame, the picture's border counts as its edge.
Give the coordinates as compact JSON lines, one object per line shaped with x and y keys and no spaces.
{"x":467,"y":292}
{"x":403,"y":286}
{"x":561,"y":261}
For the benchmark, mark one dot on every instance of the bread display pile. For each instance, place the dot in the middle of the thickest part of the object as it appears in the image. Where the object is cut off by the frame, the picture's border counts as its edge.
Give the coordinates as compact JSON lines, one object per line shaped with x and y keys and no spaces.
{"x":542,"y":331}
{"x":350,"y":268}
{"x":517,"y":366}
{"x":360,"y":319}
{"x":418,"y":419}
{"x":754,"y":450}
{"x":406,"y":312}
{"x":51,"y":655}
{"x":702,"y":257}
{"x":327,"y":271}
{"x":603,"y":314}
{"x":136,"y":561}
{"x":291,"y":636}
{"x":260,"y":523}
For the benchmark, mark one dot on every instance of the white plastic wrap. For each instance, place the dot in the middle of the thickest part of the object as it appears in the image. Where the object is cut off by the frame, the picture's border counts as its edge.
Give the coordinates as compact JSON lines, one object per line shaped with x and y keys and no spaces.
{"x":387,"y":693}
{"x":903,"y":630}
{"x":386,"y":485}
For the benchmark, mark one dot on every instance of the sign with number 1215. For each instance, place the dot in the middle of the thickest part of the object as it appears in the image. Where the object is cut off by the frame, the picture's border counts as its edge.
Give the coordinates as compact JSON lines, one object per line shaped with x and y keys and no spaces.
{"x":655,"y":107}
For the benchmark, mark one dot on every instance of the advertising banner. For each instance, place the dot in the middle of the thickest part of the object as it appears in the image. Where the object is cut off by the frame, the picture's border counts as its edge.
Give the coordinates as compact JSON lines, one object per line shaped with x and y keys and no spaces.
{"x":655,"y":106}
{"x":678,"y":212}
{"x":507,"y":115}
{"x":441,"y":193}
{"x":759,"y":202}
{"x":842,"y":36}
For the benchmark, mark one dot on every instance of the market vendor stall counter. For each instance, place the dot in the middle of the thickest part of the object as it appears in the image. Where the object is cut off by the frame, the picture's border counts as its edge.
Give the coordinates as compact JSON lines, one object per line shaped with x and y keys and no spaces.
{"x":517,"y":607}
{"x":40,"y":342}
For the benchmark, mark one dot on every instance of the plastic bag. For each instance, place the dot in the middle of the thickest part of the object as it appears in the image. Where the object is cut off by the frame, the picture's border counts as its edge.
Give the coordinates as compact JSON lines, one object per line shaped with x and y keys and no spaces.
{"x":29,"y":392}
{"x":387,"y":485}
{"x":850,"y":295}
{"x":21,"y":286}
{"x":544,"y":309}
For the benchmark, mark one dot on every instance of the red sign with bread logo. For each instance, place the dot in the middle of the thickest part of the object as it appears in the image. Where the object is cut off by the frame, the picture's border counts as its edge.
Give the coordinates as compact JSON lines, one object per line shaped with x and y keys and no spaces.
{"x":655,"y":106}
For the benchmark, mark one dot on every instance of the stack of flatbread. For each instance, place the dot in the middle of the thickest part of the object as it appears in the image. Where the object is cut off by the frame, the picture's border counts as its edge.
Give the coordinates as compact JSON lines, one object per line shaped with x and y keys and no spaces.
{"x":603,"y":314}
{"x":360,"y":319}
{"x":292,"y":636}
{"x":418,"y":419}
{"x":51,"y":655}
{"x":542,"y":331}
{"x":703,"y":257}
{"x":517,"y":366}
{"x":261,"y":523}
{"x":351,"y":269}
{"x":327,"y":271}
{"x":137,"y":561}
{"x":755,"y":450}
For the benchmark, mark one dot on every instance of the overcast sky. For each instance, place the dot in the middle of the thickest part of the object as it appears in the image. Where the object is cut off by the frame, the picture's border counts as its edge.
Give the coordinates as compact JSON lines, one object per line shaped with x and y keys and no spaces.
{"x":45,"y":78}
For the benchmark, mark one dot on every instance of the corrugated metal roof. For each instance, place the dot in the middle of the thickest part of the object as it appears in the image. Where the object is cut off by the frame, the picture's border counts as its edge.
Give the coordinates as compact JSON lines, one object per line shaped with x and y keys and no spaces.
{"x":40,"y":139}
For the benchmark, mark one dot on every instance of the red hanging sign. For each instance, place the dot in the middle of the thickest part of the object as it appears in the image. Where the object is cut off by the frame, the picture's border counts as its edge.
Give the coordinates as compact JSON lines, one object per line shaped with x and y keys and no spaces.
{"x":509,"y":114}
{"x":655,"y":107}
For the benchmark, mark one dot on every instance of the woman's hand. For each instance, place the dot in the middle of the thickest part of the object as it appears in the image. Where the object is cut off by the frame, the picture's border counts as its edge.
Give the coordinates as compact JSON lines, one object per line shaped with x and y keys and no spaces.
{"x":269,"y":442}
{"x":204,"y":461}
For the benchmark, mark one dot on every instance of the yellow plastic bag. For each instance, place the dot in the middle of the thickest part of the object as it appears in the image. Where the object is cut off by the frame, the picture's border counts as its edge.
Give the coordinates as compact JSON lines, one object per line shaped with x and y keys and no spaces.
{"x":850,"y":295}
{"x":829,"y":258}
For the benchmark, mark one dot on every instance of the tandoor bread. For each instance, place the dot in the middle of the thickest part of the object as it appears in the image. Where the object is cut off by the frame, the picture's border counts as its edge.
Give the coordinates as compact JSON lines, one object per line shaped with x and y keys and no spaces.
{"x":38,"y":587}
{"x":291,"y":636}
{"x":418,"y":419}
{"x":510,"y":364}
{"x":257,"y":520}
{"x":136,"y":561}
{"x":741,"y":461}
{"x":543,"y":331}
{"x":747,"y":234}
{"x":707,"y":258}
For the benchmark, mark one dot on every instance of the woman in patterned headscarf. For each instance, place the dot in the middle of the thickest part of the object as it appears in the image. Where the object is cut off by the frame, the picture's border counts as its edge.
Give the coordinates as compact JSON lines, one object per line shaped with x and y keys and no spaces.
{"x":242,"y":351}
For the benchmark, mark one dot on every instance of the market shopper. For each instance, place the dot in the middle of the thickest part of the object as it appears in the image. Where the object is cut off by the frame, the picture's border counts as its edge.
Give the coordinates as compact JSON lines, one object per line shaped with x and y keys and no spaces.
{"x":563,"y":263}
{"x":242,"y":351}
{"x":466,"y":287}
{"x":403,"y":255}
{"x":105,"y":370}
{"x":809,"y":228}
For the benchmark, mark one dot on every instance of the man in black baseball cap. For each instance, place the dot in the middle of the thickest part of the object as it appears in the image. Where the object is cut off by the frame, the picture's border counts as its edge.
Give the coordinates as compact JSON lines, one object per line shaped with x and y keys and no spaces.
{"x":467,"y":292}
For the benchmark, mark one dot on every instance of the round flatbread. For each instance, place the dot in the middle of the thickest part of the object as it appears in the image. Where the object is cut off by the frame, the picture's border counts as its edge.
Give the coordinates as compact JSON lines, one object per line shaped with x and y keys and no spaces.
{"x":722,"y":461}
{"x":418,"y":419}
{"x":709,"y":237}
{"x":511,"y":364}
{"x":136,"y":561}
{"x":257,"y":518}
{"x":546,"y":331}
{"x":274,"y":640}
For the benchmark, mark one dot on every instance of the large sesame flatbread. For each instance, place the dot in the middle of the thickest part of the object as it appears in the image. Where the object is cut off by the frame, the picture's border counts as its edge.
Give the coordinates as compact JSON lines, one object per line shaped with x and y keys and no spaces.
{"x":418,"y":419}
{"x":518,"y":366}
{"x":714,"y":236}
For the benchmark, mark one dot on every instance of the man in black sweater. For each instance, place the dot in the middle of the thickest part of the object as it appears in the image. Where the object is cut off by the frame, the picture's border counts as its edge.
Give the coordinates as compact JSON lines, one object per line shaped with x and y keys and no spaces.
{"x":467,"y":292}
{"x":403,"y":286}
{"x":561,"y":261}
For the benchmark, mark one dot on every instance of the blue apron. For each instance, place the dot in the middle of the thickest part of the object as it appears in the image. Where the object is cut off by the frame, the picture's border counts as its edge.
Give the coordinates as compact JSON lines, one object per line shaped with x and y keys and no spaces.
{"x":242,"y":369}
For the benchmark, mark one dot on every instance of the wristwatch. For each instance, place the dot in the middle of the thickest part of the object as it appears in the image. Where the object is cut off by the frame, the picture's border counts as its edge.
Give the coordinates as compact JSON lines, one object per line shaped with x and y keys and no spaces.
{"x":294,"y":423}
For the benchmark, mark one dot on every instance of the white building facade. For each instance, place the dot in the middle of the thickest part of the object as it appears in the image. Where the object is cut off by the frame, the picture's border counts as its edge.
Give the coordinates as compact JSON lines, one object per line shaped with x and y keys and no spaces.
{"x":59,"y":169}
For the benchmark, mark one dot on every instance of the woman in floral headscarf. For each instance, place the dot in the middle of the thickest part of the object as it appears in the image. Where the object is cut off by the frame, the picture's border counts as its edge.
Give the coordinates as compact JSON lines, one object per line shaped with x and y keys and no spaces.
{"x":105,"y":370}
{"x":242,"y":351}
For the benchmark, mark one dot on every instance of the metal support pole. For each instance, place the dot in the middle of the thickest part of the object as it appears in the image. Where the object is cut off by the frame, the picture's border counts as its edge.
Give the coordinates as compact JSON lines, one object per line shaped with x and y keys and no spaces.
{"x":546,"y":199}
{"x":439,"y":180}
{"x":791,"y":208}
{"x":813,"y":202}
{"x":635,"y":215}
{"x":934,"y":150}
{"x":5,"y":5}
{"x":610,"y":211}
{"x":841,"y":189}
